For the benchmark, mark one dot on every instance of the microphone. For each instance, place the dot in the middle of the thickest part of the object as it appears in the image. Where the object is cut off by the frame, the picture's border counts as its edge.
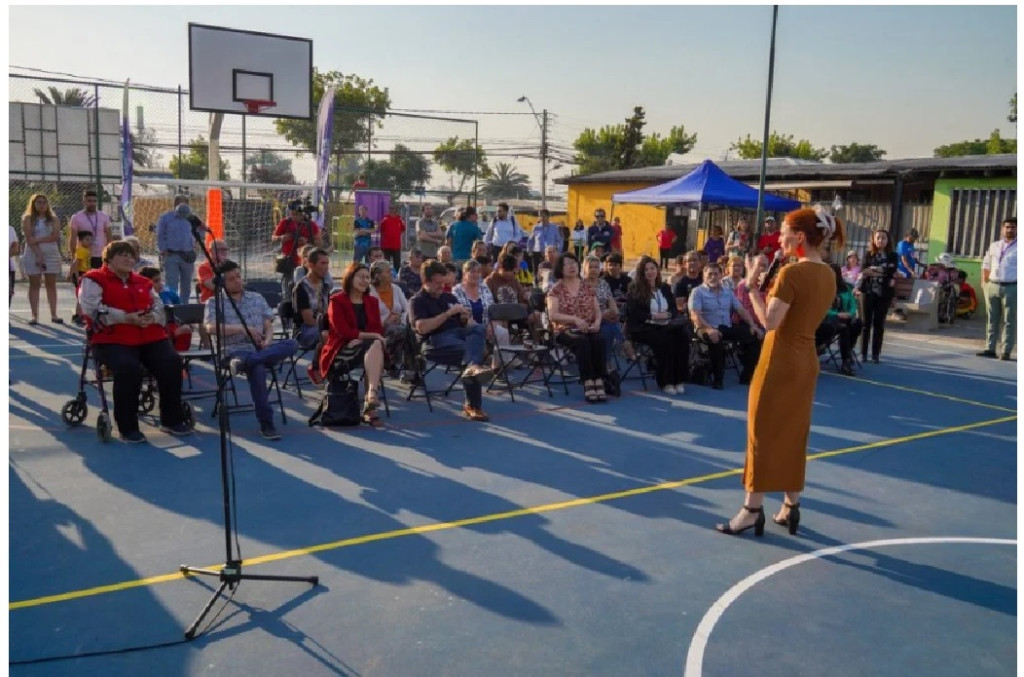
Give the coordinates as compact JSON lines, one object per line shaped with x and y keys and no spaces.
{"x":773,"y":270}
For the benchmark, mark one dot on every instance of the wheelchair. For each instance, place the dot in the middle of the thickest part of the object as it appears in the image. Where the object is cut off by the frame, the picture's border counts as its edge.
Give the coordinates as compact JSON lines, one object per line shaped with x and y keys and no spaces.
{"x":75,"y":410}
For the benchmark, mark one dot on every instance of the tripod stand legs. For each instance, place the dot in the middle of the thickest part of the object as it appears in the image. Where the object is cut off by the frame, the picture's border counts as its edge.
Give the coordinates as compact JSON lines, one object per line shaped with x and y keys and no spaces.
{"x":230,"y":576}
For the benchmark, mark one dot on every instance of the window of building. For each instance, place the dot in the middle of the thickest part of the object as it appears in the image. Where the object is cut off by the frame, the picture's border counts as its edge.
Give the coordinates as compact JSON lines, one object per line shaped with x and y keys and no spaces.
{"x":975,"y":218}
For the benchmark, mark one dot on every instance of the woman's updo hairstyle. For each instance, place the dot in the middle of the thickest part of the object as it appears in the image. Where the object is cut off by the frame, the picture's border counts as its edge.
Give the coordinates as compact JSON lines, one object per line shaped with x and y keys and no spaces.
{"x":818,"y":226}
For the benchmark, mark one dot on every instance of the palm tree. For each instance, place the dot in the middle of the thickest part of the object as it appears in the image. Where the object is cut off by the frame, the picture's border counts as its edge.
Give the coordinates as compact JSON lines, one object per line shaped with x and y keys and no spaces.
{"x":69,"y":97}
{"x":506,"y":181}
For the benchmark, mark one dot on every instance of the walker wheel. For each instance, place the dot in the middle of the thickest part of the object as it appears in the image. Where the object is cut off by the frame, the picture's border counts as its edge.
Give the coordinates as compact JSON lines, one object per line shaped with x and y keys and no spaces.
{"x":188,"y":415}
{"x":103,"y":428}
{"x":74,"y":412}
{"x":147,"y":401}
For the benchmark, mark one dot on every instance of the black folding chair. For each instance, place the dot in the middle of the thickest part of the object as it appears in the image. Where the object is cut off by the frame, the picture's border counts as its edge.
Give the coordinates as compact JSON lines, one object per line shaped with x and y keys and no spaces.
{"x":521,"y":349}
{"x":192,"y":314}
{"x":428,"y":359}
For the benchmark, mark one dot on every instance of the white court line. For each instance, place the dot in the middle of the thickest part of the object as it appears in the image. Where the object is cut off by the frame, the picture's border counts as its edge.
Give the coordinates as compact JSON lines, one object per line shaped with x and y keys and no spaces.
{"x":695,"y":656}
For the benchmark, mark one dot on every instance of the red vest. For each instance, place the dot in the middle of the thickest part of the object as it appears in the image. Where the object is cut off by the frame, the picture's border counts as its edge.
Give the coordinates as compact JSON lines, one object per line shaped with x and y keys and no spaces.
{"x":131,"y":296}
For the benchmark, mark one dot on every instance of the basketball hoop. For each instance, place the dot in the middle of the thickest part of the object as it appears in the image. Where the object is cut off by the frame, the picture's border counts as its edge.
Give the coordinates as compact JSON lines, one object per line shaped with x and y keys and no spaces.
{"x":257,"y":105}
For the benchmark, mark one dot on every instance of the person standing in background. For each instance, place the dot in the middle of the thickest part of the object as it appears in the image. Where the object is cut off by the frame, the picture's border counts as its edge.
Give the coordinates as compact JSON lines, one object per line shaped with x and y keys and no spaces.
{"x":616,"y":236}
{"x":428,"y":234}
{"x":768,"y":243}
{"x":877,"y":290}
{"x":665,"y":237}
{"x":545,"y":234}
{"x":362,"y":228}
{"x":92,"y":220}
{"x":177,"y":248}
{"x":999,"y":275}
{"x":905,"y":251}
{"x":42,"y":261}
{"x":392,"y":227}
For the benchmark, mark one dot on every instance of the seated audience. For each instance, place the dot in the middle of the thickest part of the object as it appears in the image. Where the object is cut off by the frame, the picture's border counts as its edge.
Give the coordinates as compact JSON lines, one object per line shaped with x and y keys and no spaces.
{"x":651,"y":318}
{"x":711,"y":307}
{"x":743,"y":295}
{"x":451,"y":276}
{"x":179,"y":334}
{"x":611,"y":324}
{"x":576,"y":319}
{"x":689,"y":280}
{"x":843,"y":319}
{"x":249,"y":344}
{"x":968,"y":300}
{"x":309,"y":299}
{"x":851,"y":271}
{"x":409,"y":275}
{"x":445,"y":323}
{"x":126,"y":318}
{"x":355,"y":335}
{"x":486,"y":265}
{"x":477,"y":297}
{"x":733,"y":266}
{"x":678,"y":270}
{"x":394,"y":317}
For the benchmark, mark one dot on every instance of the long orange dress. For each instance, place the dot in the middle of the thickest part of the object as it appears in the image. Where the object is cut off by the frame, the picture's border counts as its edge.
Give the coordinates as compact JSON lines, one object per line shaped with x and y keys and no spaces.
{"x":782,"y":390}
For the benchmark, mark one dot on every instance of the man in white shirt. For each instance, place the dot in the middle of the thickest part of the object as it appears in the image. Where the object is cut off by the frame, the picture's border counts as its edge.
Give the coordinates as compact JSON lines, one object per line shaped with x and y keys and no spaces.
{"x":502,"y":230}
{"x":999,"y":275}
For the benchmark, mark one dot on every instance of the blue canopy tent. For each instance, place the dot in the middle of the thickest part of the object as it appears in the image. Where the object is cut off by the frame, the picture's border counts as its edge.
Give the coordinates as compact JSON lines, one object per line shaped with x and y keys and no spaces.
{"x":706,"y":188}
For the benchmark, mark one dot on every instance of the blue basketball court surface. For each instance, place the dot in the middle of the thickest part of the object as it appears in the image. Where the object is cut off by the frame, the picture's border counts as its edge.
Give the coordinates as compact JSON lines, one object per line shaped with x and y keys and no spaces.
{"x":560,"y":538}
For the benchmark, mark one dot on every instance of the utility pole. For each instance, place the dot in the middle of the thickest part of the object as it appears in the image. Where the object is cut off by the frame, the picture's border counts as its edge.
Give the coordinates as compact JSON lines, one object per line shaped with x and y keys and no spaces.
{"x":767,"y":117}
{"x":544,"y":161}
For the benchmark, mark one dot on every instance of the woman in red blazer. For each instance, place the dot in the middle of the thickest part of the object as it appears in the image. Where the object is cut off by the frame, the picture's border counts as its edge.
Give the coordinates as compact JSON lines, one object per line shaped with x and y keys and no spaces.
{"x":355,"y":335}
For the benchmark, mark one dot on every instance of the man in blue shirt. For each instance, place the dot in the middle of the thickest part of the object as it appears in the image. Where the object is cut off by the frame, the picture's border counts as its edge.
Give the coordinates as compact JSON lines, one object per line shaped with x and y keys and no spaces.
{"x":711,"y":307}
{"x":463,"y":233}
{"x":177,"y":249}
{"x":905,"y":252}
{"x":364,"y":227}
{"x":545,"y":234}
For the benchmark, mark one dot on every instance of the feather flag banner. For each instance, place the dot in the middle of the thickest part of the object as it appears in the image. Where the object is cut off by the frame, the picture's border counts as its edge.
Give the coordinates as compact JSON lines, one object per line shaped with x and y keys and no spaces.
{"x":125,"y":206}
{"x":324,"y":131}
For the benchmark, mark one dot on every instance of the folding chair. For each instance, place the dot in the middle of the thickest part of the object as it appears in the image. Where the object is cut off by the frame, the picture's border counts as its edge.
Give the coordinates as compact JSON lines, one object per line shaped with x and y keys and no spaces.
{"x":428,"y":359}
{"x":519,"y":348}
{"x":641,"y":364}
{"x":222,"y":365}
{"x":559,"y":357}
{"x":340,"y":368}
{"x":192,"y":314}
{"x":292,"y":374}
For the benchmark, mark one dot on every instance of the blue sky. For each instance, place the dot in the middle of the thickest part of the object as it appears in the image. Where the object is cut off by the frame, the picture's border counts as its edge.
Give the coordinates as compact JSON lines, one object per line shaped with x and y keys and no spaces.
{"x":904,"y":78}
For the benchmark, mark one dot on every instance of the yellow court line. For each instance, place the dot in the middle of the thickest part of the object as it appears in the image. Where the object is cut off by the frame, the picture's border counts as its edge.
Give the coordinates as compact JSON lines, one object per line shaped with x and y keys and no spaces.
{"x":494,"y":517}
{"x":951,"y":398}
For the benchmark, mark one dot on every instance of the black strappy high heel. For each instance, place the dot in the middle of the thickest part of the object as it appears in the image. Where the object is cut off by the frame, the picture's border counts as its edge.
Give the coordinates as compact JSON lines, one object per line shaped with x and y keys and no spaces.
{"x":758,"y":525}
{"x":792,"y":520}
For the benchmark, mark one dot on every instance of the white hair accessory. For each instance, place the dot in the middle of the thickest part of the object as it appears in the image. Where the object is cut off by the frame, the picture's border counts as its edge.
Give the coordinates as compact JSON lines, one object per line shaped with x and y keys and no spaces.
{"x":826,"y":221}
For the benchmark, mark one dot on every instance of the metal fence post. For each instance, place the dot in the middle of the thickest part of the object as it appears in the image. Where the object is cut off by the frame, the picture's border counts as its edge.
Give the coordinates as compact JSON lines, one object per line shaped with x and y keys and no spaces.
{"x":96,"y":135}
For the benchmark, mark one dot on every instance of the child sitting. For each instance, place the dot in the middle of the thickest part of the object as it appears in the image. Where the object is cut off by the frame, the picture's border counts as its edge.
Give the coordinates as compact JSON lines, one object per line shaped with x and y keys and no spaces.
{"x":181,"y":336}
{"x":968,"y":301}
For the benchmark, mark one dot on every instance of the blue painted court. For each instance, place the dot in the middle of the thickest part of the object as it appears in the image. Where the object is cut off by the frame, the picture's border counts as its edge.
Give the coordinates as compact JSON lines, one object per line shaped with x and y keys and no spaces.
{"x":558,"y":539}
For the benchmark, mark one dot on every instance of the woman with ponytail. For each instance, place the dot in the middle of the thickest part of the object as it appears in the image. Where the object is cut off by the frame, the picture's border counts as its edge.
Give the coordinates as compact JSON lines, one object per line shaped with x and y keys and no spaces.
{"x":782,"y":390}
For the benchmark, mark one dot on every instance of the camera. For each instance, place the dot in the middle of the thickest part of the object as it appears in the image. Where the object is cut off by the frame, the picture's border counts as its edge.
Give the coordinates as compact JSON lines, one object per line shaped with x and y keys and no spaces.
{"x":304,"y":205}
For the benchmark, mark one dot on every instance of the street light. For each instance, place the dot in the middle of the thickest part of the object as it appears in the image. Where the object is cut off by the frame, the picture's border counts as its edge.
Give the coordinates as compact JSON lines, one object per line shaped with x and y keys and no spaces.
{"x":542,"y":122}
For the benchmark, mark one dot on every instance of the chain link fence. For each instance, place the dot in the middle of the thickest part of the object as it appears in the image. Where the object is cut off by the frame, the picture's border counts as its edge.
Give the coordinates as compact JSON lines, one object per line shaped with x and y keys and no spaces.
{"x":66,"y":139}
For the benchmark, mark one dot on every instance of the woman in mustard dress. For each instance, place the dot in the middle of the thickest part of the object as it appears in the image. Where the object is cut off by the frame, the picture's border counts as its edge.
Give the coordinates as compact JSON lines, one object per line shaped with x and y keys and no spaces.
{"x":782,"y":391}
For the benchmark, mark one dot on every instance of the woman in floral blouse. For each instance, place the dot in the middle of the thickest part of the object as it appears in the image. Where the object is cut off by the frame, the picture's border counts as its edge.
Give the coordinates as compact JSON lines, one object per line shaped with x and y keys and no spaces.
{"x":576,"y":318}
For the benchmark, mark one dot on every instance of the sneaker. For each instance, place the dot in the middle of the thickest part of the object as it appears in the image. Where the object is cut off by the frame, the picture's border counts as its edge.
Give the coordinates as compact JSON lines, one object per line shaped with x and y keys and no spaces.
{"x":269,"y":432}
{"x":991,"y":354}
{"x":179,"y":430}
{"x":134,"y":437}
{"x":670,"y":390}
{"x":478,"y":373}
{"x":1005,"y":357}
{"x":237,"y":365}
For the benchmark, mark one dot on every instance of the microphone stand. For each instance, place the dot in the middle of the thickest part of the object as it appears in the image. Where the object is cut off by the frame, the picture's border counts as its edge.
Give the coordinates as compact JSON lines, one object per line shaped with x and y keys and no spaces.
{"x":230,"y":574}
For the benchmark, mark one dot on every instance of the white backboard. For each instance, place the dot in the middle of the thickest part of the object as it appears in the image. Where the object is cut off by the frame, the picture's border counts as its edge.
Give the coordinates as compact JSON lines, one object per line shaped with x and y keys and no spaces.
{"x":59,"y":143}
{"x":226,"y":66}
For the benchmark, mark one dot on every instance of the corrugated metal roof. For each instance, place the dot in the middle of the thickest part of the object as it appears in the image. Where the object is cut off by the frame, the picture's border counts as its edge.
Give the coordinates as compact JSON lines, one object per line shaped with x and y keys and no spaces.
{"x":780,"y":169}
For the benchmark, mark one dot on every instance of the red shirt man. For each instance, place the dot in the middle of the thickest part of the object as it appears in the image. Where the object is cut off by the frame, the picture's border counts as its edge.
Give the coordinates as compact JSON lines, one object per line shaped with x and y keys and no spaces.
{"x":768,"y":243}
{"x":616,"y":235}
{"x":391,"y":229}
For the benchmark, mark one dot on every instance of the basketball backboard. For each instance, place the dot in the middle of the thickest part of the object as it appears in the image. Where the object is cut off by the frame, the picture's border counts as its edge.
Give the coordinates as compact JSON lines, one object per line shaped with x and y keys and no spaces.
{"x":228,"y":66}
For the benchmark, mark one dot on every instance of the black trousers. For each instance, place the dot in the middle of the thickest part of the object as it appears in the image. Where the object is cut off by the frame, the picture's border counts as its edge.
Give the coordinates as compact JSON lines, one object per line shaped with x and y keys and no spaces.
{"x":749,"y":349}
{"x":535,"y":260}
{"x":589,"y":352}
{"x":126,"y":362}
{"x":671,"y":347}
{"x":395,"y":256}
{"x":848,"y":331}
{"x":875,"y":309}
{"x":665,"y":258}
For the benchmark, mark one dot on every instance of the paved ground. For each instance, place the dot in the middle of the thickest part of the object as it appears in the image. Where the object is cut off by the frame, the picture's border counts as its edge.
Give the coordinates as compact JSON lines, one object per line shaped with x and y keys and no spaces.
{"x":559,"y":539}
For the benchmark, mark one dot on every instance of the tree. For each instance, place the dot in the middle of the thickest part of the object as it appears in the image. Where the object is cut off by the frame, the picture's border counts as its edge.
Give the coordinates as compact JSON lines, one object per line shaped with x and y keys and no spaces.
{"x":855,"y":152}
{"x":69,"y":97}
{"x":400,"y":173}
{"x":625,"y":146}
{"x":269,"y":167}
{"x":196,"y":163}
{"x":352,"y":128}
{"x":143,"y":141}
{"x":1012,"y":117}
{"x":993,"y":146}
{"x":505,"y":181}
{"x":461,"y":159}
{"x":779,"y":145}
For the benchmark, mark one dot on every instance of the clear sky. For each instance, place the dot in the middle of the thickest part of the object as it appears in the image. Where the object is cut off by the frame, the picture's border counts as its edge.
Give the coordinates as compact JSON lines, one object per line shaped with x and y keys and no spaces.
{"x":906,"y":78}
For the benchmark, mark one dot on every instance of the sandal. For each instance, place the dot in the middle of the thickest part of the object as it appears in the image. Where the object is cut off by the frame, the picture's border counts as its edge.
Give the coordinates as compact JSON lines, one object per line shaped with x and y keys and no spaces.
{"x":57,"y":320}
{"x":33,"y":322}
{"x":590,"y":393}
{"x":602,"y":396}
{"x":370,"y":416}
